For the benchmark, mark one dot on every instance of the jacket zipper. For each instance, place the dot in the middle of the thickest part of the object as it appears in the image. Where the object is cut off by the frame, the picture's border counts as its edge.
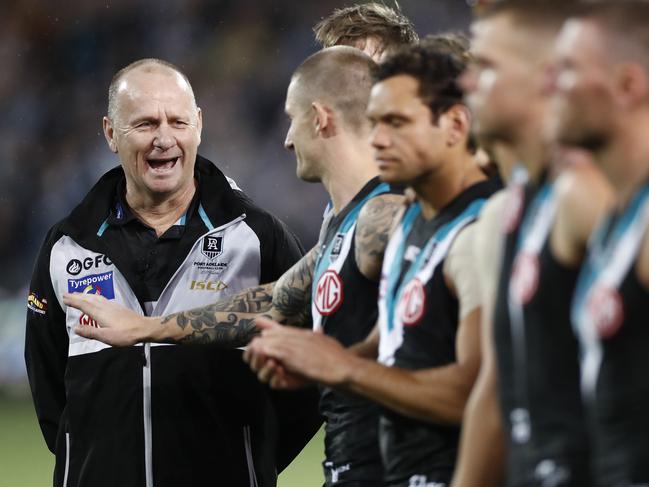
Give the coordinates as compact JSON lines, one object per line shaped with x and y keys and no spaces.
{"x":146,"y":371}
{"x":67,"y":459}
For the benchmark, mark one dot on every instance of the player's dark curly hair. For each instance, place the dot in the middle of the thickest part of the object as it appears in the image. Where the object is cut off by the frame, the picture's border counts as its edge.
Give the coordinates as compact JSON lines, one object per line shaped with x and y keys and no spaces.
{"x":436,"y":63}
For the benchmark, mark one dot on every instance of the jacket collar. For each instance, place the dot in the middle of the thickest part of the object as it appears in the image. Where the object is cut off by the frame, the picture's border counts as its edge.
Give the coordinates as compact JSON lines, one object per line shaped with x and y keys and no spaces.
{"x":84,"y":224}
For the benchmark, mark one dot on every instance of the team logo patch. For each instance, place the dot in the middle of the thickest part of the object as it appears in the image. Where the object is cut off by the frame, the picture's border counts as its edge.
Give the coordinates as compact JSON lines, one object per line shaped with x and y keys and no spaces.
{"x":513,"y":208}
{"x":101,"y":284}
{"x":525,"y":277}
{"x":413,"y":303}
{"x":75,"y":266}
{"x":337,"y":246}
{"x":606,"y":310}
{"x":212,"y":246}
{"x":36,"y":304}
{"x":329,"y":293}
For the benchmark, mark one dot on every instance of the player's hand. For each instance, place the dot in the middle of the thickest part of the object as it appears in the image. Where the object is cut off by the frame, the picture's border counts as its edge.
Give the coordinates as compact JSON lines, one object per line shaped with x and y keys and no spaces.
{"x":117,"y":325}
{"x":306,"y":354}
{"x":271,"y":372}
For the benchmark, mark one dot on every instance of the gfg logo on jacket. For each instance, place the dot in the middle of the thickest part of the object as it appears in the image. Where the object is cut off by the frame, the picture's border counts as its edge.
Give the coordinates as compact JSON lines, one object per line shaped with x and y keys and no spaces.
{"x":101,"y":284}
{"x":75,"y":266}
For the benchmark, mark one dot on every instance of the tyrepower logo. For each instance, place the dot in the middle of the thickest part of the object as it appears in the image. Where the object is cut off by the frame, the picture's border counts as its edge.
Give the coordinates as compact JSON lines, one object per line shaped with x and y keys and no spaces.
{"x":101,"y":284}
{"x":75,"y":266}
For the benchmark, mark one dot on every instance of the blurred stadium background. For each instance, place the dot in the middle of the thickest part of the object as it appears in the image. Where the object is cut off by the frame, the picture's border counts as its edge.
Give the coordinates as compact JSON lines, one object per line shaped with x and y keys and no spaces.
{"x":57,"y":60}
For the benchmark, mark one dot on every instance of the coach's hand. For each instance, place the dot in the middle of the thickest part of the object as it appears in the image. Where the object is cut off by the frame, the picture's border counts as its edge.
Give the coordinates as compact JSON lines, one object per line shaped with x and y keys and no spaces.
{"x":116,"y":325}
{"x":283,"y":350}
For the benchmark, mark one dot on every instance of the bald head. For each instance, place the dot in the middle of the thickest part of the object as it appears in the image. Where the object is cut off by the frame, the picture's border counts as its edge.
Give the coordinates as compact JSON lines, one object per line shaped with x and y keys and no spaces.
{"x":122,"y":80}
{"x":339,"y":77}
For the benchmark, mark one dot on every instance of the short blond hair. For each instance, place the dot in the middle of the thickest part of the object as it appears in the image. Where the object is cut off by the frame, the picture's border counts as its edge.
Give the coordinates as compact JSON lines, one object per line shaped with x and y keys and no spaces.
{"x":348,"y":25}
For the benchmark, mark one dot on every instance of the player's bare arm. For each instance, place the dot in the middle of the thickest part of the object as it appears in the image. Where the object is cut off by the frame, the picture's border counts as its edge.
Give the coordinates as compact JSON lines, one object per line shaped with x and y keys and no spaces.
{"x":583,"y":197}
{"x":227,"y":323}
{"x":436,"y":395}
{"x":373,"y":230}
{"x":481,"y":458}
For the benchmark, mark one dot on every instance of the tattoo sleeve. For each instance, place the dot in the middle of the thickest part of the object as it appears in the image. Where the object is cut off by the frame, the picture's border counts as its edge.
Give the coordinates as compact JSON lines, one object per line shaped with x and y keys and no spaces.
{"x":230,"y":323}
{"x":292,"y":292}
{"x":373,"y":232}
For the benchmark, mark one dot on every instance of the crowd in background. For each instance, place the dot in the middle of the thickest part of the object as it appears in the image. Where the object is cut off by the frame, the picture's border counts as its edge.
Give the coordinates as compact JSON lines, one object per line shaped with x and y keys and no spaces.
{"x":57,"y":61}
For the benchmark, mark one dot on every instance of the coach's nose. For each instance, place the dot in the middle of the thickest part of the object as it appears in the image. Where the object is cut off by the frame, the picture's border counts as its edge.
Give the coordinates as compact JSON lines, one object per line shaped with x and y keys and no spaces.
{"x":164,"y":138}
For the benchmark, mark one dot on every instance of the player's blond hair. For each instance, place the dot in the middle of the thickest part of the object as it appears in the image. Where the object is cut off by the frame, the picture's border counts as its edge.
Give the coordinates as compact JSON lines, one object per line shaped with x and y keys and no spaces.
{"x":348,"y":25}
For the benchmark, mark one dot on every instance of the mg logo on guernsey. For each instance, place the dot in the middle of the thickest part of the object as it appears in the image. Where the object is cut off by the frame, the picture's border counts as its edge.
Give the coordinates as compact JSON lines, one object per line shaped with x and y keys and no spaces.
{"x":329,"y":293}
{"x":525,"y":277}
{"x":606,"y":310}
{"x":413,"y":303}
{"x":212,"y":246}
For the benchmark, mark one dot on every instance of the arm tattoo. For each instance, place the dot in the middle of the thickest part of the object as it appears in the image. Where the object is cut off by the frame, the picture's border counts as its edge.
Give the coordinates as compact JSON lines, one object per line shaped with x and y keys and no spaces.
{"x":292,"y":293}
{"x":230,"y":323}
{"x":373,"y":233}
{"x":204,"y":326}
{"x":253,"y":300}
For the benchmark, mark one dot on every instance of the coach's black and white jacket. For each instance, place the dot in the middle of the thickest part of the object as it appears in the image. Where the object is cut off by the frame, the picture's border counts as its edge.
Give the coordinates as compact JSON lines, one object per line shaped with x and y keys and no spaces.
{"x":159,"y":415}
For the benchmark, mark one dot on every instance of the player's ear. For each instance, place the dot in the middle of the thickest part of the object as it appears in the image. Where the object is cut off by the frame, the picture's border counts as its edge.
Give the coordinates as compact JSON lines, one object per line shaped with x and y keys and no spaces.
{"x":632,"y":84}
{"x":457,"y":123}
{"x":322,"y":119}
{"x":109,"y":133}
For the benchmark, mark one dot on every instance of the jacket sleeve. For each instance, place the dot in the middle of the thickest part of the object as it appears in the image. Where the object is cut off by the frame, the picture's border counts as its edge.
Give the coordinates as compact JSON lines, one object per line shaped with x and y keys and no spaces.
{"x":280,"y":249}
{"x":46,"y":346}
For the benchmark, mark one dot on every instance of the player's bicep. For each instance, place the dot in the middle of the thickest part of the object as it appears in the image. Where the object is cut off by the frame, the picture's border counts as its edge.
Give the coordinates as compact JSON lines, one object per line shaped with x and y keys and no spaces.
{"x":373,"y":229}
{"x":460,"y":274}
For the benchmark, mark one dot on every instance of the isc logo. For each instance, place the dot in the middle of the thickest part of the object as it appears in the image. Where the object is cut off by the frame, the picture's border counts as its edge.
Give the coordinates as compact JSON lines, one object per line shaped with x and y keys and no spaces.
{"x":208,"y":285}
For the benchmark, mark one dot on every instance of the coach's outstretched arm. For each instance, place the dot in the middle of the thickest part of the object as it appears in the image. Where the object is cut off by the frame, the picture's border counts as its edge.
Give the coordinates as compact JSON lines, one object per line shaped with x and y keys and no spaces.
{"x":228,"y":323}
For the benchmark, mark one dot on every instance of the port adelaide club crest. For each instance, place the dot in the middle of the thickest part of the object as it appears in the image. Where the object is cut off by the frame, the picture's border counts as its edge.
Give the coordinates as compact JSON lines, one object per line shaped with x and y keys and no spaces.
{"x":212,"y":246}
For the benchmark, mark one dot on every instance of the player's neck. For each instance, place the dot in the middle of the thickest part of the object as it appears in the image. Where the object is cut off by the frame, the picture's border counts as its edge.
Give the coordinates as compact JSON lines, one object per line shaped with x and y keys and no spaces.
{"x":347,"y":176}
{"x":533,"y":154}
{"x":438,"y":188}
{"x":625,"y":161}
{"x":160,"y":213}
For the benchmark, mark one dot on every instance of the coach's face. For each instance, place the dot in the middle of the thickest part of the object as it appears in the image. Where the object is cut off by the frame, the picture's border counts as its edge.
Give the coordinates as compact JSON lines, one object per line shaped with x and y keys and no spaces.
{"x":582,"y":84}
{"x":156,"y":132}
{"x":500,"y":85}
{"x":302,"y":136}
{"x":408,"y":145}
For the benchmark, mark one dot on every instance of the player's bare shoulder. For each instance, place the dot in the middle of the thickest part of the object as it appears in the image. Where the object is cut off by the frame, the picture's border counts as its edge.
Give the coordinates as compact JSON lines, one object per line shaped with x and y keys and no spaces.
{"x":488,"y":231}
{"x":375,"y":223}
{"x":583,"y":197}
{"x":582,"y":191}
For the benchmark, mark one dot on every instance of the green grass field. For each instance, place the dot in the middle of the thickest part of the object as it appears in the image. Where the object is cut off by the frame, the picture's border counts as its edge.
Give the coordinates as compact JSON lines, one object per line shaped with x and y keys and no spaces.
{"x":25,"y":461}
